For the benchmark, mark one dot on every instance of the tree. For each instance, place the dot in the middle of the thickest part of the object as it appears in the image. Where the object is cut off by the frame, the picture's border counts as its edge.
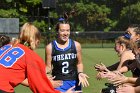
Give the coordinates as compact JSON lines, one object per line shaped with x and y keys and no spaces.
{"x":87,"y":15}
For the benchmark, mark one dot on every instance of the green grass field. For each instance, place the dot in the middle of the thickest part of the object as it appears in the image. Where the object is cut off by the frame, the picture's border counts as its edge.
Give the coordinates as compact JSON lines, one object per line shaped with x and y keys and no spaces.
{"x":91,"y":56}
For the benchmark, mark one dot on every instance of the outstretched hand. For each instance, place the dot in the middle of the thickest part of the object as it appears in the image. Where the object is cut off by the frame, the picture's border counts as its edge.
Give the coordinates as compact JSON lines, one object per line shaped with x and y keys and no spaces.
{"x":101,"y":75}
{"x":118,"y":79}
{"x":83,"y":79}
{"x":101,"y":67}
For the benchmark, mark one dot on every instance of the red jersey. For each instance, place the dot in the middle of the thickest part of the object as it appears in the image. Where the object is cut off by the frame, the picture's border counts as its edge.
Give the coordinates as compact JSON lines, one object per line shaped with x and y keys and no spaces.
{"x":18,"y":63}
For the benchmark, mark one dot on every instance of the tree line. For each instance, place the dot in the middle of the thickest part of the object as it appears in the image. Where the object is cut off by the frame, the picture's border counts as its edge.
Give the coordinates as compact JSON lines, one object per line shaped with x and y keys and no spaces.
{"x":84,"y":15}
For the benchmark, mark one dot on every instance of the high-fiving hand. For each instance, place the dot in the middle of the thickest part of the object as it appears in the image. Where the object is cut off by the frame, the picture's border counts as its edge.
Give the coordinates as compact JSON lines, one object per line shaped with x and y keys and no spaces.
{"x":83,"y":79}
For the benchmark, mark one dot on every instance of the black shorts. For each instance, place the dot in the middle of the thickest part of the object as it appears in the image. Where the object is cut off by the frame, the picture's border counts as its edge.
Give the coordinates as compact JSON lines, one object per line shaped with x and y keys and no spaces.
{"x":1,"y":91}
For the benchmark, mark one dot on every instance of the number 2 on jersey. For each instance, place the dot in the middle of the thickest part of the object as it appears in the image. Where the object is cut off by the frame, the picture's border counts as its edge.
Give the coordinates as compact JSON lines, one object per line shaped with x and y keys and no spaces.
{"x":65,"y":67}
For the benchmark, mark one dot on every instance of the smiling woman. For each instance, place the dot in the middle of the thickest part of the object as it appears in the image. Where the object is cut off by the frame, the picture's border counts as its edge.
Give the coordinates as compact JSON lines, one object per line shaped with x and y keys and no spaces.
{"x":64,"y":58}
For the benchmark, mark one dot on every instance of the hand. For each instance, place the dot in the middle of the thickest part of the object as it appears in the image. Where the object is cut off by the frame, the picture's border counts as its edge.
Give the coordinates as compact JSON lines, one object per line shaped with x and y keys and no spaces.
{"x":126,"y":89}
{"x":99,"y":76}
{"x":100,"y":67}
{"x":55,"y":83}
{"x":118,"y":79}
{"x":71,"y":90}
{"x":102,"y":75}
{"x":83,"y":79}
{"x":107,"y":74}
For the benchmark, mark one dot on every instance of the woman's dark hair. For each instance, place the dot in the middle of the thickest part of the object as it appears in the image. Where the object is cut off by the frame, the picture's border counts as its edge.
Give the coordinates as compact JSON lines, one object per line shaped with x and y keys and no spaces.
{"x":63,"y":20}
{"x":4,"y":40}
{"x":134,"y":25}
{"x":135,"y":46}
{"x":136,"y":28}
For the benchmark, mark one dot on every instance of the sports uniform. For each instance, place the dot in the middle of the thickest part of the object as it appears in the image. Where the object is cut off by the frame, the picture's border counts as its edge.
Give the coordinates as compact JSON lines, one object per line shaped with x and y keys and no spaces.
{"x":64,"y":63}
{"x":18,"y":63}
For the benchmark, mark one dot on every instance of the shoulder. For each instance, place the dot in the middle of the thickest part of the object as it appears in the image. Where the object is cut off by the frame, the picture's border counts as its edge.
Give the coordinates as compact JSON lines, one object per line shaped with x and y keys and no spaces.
{"x":49,"y":46}
{"x":77,"y":45}
{"x":128,"y":54}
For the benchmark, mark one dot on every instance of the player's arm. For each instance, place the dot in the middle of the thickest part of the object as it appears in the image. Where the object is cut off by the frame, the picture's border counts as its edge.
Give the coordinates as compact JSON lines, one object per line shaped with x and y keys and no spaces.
{"x":137,"y":89}
{"x":25,"y":82}
{"x":123,"y":58}
{"x":79,"y":57}
{"x":49,"y":58}
{"x":82,"y":77}
{"x":132,"y":80}
{"x":123,"y":69}
{"x":55,"y":83}
{"x":36,"y":74}
{"x":128,"y":67}
{"x":113,"y":66}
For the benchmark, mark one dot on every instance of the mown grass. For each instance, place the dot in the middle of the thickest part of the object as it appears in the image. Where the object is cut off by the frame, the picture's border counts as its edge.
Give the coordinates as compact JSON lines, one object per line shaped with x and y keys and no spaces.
{"x":91,"y":56}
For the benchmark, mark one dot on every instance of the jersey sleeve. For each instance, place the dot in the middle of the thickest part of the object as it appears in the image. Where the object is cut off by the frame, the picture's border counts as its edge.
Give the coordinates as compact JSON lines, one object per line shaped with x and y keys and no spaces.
{"x":38,"y":81}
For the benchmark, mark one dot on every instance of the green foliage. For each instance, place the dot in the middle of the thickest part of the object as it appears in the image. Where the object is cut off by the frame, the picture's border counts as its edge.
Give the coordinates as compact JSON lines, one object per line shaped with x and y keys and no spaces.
{"x":89,"y":15}
{"x":94,"y":13}
{"x":111,"y":24}
{"x":41,"y":24}
{"x":53,"y":14}
{"x":8,"y":14}
{"x":132,"y":12}
{"x":79,"y":28}
{"x":8,"y":1}
{"x":23,"y":9}
{"x":34,"y":2}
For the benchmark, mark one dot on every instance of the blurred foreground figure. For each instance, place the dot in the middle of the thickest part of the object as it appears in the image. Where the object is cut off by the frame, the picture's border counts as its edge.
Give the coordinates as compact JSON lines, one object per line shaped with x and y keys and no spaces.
{"x":18,"y":61}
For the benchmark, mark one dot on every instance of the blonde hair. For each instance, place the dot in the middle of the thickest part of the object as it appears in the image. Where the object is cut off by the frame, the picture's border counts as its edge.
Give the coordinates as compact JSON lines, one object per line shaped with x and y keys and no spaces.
{"x":29,"y":34}
{"x":123,"y":40}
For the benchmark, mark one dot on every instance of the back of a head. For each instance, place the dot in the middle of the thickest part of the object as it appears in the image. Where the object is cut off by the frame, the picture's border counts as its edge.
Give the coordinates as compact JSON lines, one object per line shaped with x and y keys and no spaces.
{"x":123,"y":40}
{"x":136,"y":28}
{"x":4,"y":40}
{"x":29,"y":34}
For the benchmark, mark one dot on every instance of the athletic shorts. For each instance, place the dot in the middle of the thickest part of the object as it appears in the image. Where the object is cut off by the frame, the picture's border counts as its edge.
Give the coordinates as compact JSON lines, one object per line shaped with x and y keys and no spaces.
{"x":68,"y":84}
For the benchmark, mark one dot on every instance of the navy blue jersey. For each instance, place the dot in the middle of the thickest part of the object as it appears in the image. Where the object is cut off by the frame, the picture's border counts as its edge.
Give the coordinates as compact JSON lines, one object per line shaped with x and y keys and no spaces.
{"x":64,"y":61}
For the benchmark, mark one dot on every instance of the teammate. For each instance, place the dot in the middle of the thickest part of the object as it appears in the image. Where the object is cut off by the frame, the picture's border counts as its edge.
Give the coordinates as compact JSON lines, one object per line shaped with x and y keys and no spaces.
{"x":4,"y":40}
{"x":134,"y":32}
{"x":64,"y":59}
{"x":122,"y":47}
{"x":18,"y":61}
